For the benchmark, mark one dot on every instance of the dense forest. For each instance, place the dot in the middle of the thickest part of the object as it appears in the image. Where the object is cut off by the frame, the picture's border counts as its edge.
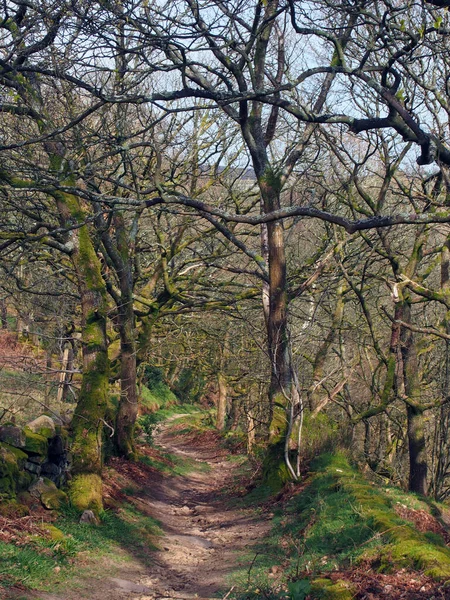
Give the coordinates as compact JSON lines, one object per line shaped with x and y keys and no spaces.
{"x":239,"y":206}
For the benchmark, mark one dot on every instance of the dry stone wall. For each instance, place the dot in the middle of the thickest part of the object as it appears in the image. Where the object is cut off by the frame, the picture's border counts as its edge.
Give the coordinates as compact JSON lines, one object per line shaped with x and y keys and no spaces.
{"x":34,"y":460}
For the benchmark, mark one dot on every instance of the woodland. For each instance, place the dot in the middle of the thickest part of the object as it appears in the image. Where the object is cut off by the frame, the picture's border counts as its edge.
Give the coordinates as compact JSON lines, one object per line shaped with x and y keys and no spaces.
{"x":239,"y":211}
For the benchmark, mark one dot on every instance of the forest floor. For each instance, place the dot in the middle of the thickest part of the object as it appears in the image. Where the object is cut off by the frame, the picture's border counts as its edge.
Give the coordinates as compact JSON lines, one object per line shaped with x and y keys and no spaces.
{"x":203,"y":536}
{"x":181,"y":524}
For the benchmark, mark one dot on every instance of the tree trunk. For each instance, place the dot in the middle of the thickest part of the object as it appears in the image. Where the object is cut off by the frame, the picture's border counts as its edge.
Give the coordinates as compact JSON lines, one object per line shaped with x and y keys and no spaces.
{"x":62,"y":385}
{"x":128,"y":407}
{"x":4,"y":314}
{"x":281,"y":394}
{"x":221,"y":401}
{"x":314,"y":393}
{"x":418,"y":467}
{"x":87,"y":424}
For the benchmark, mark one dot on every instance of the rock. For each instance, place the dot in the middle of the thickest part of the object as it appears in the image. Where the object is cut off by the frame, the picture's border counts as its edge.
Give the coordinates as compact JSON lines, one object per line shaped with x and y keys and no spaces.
{"x":35,"y":443}
{"x":12,"y":461}
{"x":37,"y":460}
{"x":42,"y":486}
{"x":44,"y":426}
{"x":12,"y":435}
{"x":53,"y":532}
{"x":89,"y":517}
{"x":51,"y":470}
{"x":53,"y":499}
{"x":32,"y":467}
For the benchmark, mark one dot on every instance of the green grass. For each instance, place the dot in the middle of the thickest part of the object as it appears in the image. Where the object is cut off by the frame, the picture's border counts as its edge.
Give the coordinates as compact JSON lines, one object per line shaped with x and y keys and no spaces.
{"x":340,"y":519}
{"x":120,"y":535}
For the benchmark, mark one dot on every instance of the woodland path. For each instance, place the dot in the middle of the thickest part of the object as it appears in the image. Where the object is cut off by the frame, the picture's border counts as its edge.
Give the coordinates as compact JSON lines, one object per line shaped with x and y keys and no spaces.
{"x":204,"y":537}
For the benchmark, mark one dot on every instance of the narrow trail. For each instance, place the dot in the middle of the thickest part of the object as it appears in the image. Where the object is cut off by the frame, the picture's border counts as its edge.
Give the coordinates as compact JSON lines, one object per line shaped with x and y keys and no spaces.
{"x":204,"y":537}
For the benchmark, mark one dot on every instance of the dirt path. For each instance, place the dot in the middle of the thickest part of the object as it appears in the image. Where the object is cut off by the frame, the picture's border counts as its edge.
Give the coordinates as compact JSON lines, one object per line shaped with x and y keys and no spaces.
{"x":204,"y":538}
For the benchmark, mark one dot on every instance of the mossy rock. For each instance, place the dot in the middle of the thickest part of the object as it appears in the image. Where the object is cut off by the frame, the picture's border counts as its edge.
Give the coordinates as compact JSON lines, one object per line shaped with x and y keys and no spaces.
{"x":53,"y":499}
{"x":85,"y":492}
{"x":325,"y":589}
{"x":12,"y":461}
{"x":55,"y":534}
{"x":35,"y":443}
{"x":12,"y":435}
{"x":42,"y":486}
{"x":10,"y":453}
{"x":43,"y":425}
{"x":24,"y":480}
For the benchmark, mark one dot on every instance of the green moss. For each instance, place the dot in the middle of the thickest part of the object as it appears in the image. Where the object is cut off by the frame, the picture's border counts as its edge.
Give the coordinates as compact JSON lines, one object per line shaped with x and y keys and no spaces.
{"x":12,"y":461}
{"x":35,"y":443}
{"x":12,"y":453}
{"x":89,"y":262}
{"x":53,"y":532}
{"x":53,"y":499}
{"x":85,"y":492}
{"x":275,"y":472}
{"x":87,"y":424}
{"x":405,"y":547}
{"x":328,"y":590}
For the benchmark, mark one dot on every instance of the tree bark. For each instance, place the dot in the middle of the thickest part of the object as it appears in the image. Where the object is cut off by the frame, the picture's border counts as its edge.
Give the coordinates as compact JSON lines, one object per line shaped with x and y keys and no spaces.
{"x":128,"y":407}
{"x":314,"y":393}
{"x":221,"y":401}
{"x":88,"y":420}
{"x":418,"y":467}
{"x":4,"y":314}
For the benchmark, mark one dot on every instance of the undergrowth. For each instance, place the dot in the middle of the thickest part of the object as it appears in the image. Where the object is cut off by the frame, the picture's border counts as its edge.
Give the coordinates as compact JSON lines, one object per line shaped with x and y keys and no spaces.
{"x":49,"y":560}
{"x":337,"y":521}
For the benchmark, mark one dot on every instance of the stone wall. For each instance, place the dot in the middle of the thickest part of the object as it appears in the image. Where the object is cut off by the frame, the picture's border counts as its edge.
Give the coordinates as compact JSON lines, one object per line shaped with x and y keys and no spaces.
{"x":34,"y":460}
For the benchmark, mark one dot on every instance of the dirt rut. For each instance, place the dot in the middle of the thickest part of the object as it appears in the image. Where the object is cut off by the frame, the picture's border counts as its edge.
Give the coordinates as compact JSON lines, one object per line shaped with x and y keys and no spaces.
{"x":204,"y":537}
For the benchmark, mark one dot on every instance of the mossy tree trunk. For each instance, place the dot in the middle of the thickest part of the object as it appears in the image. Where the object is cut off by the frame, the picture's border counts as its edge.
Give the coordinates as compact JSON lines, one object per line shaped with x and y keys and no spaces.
{"x":128,"y":407}
{"x":88,"y":420}
{"x":418,"y":465}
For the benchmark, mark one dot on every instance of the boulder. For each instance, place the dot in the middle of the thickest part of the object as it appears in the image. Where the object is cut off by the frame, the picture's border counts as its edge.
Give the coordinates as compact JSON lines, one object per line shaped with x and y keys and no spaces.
{"x":12,"y":435}
{"x":89,"y":517}
{"x":35,"y":443}
{"x":47,"y":492}
{"x":42,"y":484}
{"x":53,"y":499}
{"x":37,"y":460}
{"x":12,"y":462}
{"x":44,"y":426}
{"x":32,"y":467}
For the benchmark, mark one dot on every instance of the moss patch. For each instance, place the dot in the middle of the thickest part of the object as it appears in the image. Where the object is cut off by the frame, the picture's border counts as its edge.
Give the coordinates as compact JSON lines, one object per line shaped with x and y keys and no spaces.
{"x":12,"y":461}
{"x":326,"y":589}
{"x":35,"y":443}
{"x":85,"y":492}
{"x":339,"y":519}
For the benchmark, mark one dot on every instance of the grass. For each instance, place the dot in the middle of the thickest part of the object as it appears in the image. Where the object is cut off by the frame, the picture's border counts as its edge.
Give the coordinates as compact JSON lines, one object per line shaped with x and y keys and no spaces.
{"x":337,"y":521}
{"x":47,"y":561}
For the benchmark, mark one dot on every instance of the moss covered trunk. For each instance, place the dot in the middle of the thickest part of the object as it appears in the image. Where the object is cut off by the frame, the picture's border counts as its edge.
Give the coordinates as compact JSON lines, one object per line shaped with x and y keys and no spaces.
{"x":128,"y":406}
{"x":418,"y":464}
{"x":88,"y":420}
{"x":278,"y":340}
